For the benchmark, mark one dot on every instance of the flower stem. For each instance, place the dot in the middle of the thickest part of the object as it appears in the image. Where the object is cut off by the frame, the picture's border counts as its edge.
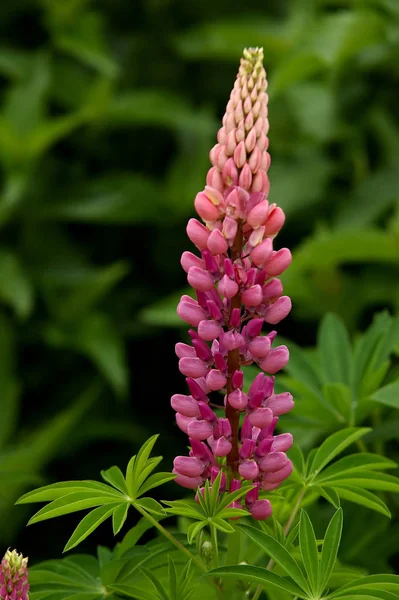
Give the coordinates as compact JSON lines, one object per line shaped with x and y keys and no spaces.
{"x":287,"y":527}
{"x":214,"y":534}
{"x":170,"y":537}
{"x":233,"y":364}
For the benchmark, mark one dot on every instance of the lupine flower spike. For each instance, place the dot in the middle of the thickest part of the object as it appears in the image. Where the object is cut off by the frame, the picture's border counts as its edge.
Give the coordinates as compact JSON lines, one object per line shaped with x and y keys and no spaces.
{"x":234,"y":279}
{"x":14,"y":577}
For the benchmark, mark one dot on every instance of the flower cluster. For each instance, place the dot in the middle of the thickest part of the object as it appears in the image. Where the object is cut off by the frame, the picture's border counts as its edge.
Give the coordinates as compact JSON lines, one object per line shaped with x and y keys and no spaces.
{"x":237,"y":292}
{"x":14,"y":577}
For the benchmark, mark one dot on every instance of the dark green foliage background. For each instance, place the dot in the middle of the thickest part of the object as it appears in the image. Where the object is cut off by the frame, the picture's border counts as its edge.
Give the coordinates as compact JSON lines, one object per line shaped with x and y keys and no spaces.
{"x":108,"y":112}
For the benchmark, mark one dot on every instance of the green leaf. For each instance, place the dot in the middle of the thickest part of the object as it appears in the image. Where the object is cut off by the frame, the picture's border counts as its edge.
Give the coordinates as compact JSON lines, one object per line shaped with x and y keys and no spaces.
{"x":59,"y":490}
{"x":194,"y":529}
{"x":278,"y":553}
{"x":70,"y":503}
{"x":367,"y":479}
{"x":150,"y":505}
{"x":138,"y":462}
{"x":119,"y":517}
{"x":308,"y":548}
{"x":335,"y":350}
{"x":330,"y":550}
{"x":353,"y":463}
{"x":362,"y":497}
{"x":329,"y":494}
{"x":114,"y":476}
{"x":260,"y":576}
{"x":155,"y":481}
{"x":388,"y":395}
{"x":88,"y":524}
{"x":339,"y":396}
{"x":334,"y":444}
{"x":388,"y":583}
{"x":295,"y":454}
{"x":15,"y":287}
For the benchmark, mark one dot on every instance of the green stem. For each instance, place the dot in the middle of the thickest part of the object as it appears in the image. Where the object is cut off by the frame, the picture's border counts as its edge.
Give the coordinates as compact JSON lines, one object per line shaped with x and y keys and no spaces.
{"x":287,"y":527}
{"x":170,"y":537}
{"x":214,"y":534}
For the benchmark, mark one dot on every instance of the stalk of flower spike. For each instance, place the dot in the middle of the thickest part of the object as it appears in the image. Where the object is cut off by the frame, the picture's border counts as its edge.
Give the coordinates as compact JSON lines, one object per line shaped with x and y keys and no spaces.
{"x":14,"y":577}
{"x":237,"y":292}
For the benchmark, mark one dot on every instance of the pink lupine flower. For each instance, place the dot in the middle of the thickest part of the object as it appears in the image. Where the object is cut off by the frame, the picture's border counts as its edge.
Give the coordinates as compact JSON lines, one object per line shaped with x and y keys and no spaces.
{"x":14,"y":583}
{"x":234,"y":276}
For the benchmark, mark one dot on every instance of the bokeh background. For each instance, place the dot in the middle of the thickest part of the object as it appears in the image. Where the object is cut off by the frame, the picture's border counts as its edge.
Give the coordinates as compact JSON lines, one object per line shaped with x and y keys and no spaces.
{"x":108,"y":111}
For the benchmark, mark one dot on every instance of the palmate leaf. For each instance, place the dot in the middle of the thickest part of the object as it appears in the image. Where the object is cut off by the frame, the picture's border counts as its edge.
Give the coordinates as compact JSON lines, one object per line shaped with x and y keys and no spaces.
{"x":334,"y":445}
{"x":379,"y":583}
{"x":309,"y":551}
{"x":279,"y":554}
{"x":106,"y":500}
{"x":330,"y":550}
{"x":74,"y":577}
{"x":259,"y":575}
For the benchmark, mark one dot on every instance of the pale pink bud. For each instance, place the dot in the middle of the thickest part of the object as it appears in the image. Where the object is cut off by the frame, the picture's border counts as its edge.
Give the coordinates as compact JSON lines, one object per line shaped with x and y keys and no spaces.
{"x":259,"y":346}
{"x":280,"y":404}
{"x":272,"y":290}
{"x":200,"y":279}
{"x":190,"y":466}
{"x":240,"y":155}
{"x":262,"y":252}
{"x":274,"y":361}
{"x":185,"y":405}
{"x":282,"y":442}
{"x":199,"y":429}
{"x":238,"y":399}
{"x":248,"y":469}
{"x":253,"y":296}
{"x":214,"y":179}
{"x":260,"y":510}
{"x":193,"y":367}
{"x":261,"y":417}
{"x":197,"y":233}
{"x":256,"y":237}
{"x":215,"y":380}
{"x":227,"y":287}
{"x":275,"y":221}
{"x":280,"y":475}
{"x":230,"y":173}
{"x":245,"y":178}
{"x":217,"y":243}
{"x":250,"y":140}
{"x":229,"y":229}
{"x":255,"y":160}
{"x":277,"y":311}
{"x":279,"y":262}
{"x":205,"y":208}
{"x":209,"y":330}
{"x":260,"y":182}
{"x":190,"y":483}
{"x":257,"y":215}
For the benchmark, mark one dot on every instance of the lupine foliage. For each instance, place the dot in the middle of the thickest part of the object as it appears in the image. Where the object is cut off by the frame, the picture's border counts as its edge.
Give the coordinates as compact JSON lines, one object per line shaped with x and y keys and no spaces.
{"x":106,"y":121}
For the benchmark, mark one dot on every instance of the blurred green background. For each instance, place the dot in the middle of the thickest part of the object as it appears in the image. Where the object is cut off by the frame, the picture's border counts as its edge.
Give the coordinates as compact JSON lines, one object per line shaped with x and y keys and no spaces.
{"x":108,"y":111}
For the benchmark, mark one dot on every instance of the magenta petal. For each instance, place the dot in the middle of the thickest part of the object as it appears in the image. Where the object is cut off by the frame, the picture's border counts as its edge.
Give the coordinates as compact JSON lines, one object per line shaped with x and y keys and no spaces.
{"x":188,"y":465}
{"x":193,"y":367}
{"x":277,"y":311}
{"x":221,"y":447}
{"x":280,"y":475}
{"x":261,"y":510}
{"x":199,"y":429}
{"x":248,"y":469}
{"x":275,"y":360}
{"x":215,"y":380}
{"x":273,"y":462}
{"x":190,"y":483}
{"x":185,"y":405}
{"x":260,"y":417}
{"x":282,"y":442}
{"x":280,"y":404}
{"x":238,"y":400}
